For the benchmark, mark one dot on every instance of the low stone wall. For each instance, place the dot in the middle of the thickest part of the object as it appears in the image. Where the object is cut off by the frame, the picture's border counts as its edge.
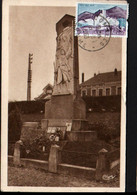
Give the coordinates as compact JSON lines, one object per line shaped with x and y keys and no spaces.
{"x":41,"y":164}
{"x":78,"y":171}
{"x":35,"y":163}
{"x":54,"y":165}
{"x":62,"y":168}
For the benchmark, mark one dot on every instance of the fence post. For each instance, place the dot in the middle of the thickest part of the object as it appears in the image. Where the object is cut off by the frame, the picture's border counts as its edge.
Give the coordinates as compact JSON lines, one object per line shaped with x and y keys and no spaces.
{"x":54,"y":158}
{"x":16,"y":156}
{"x":102,"y":164}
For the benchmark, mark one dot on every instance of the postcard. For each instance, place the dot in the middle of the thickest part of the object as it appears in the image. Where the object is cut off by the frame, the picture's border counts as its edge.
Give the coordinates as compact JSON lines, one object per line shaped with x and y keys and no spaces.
{"x":64,"y":95}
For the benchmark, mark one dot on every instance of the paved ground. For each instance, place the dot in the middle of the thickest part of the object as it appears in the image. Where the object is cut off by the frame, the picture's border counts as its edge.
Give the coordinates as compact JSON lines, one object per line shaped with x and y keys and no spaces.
{"x":33,"y":177}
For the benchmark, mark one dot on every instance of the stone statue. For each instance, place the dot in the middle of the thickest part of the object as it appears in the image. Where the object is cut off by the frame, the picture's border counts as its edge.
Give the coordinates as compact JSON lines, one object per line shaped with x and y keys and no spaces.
{"x":62,"y":66}
{"x":66,"y":106}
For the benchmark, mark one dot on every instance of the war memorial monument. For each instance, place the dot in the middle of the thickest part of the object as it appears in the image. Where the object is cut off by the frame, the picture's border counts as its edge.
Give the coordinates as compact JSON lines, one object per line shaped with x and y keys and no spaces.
{"x":67,"y":110}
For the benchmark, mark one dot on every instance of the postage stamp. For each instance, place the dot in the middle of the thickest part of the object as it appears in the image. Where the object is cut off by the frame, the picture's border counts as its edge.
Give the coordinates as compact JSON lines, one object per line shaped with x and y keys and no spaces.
{"x":98,"y":19}
{"x":98,"y":42}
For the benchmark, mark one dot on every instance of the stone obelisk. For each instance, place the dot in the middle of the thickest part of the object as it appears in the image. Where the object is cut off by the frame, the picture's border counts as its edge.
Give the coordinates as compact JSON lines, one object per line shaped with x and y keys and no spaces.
{"x":66,"y":105}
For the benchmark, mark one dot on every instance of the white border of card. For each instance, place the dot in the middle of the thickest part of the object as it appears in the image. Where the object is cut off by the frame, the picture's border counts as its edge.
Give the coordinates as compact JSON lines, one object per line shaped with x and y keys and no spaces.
{"x":4,"y":124}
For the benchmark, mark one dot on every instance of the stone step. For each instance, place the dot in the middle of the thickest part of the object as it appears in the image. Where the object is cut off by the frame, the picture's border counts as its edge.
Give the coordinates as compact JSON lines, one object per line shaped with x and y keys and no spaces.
{"x":81,"y":136}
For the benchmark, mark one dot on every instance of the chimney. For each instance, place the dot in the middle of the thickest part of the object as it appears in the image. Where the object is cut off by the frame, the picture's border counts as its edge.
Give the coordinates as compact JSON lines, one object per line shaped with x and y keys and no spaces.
{"x":115,"y":71}
{"x":94,"y":74}
{"x":82,"y":77}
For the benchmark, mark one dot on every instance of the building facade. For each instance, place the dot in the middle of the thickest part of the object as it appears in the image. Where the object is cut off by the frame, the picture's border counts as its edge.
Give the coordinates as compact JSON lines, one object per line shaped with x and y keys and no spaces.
{"x":46,"y":94}
{"x":102,"y":84}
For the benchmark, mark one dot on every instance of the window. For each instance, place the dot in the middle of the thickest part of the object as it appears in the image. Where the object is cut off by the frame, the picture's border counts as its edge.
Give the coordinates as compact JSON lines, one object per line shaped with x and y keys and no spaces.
{"x":107,"y":91}
{"x":49,"y":91}
{"x":93,"y":92}
{"x":119,"y":90}
{"x":83,"y":93}
{"x":100,"y":92}
{"x":113,"y":90}
{"x":88,"y":92}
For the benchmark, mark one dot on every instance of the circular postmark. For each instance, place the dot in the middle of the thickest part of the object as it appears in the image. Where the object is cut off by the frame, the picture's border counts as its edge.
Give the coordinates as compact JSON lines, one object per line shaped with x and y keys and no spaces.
{"x":93,"y":37}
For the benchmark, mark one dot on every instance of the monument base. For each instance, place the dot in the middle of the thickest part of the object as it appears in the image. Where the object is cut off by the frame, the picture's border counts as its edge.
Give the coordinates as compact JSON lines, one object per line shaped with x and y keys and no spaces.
{"x":65,"y":107}
{"x":75,"y":124}
{"x":67,"y":114}
{"x":78,"y":130}
{"x":81,"y":136}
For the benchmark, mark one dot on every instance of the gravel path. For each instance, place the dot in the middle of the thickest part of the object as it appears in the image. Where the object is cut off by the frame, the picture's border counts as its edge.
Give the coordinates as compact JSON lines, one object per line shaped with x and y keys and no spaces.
{"x":34,"y":177}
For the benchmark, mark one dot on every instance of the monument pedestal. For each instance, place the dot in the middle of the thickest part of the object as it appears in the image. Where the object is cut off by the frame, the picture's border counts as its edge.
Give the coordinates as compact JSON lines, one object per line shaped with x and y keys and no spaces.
{"x":69,"y":116}
{"x":66,"y":113}
{"x":65,"y":107}
{"x":81,"y":136}
{"x":76,"y":124}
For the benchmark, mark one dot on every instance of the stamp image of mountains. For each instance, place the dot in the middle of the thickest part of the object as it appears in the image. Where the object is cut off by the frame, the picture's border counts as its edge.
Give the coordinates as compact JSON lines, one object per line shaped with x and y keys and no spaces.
{"x":105,"y":21}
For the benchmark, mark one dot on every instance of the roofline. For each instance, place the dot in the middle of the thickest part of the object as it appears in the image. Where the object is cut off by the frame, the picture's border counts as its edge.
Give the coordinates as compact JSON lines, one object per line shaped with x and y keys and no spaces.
{"x":48,"y":85}
{"x":99,"y":74}
{"x":65,"y":16}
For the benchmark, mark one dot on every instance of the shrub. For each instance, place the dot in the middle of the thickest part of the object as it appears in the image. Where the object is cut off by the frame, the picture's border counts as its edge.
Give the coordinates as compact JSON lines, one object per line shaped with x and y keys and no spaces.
{"x":34,"y":149}
{"x":14,"y":125}
{"x":107,"y":133}
{"x":11,"y":148}
{"x":39,"y":148}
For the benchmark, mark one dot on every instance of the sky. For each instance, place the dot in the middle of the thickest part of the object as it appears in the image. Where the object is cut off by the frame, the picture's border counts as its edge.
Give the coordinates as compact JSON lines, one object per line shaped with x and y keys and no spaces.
{"x":32,"y":29}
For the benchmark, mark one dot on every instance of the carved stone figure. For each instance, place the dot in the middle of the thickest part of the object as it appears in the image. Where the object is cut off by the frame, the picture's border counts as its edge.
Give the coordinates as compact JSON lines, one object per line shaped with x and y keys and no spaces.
{"x":65,"y":105}
{"x":63,"y":69}
{"x":63,"y":66}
